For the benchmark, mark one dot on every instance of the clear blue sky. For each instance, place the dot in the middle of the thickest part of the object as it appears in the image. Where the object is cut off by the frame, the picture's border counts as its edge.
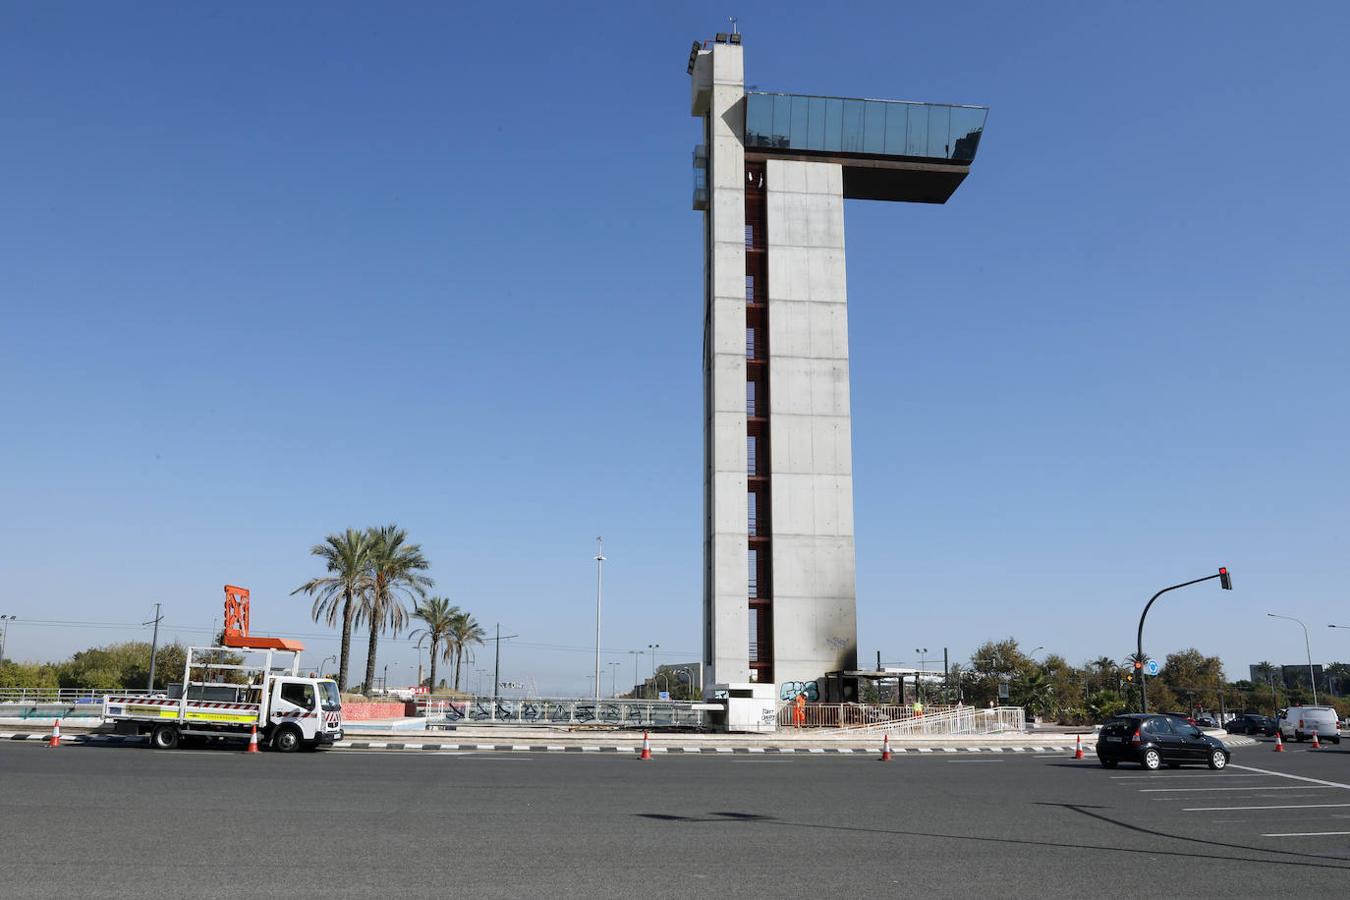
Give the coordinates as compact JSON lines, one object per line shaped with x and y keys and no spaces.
{"x":270,"y":272}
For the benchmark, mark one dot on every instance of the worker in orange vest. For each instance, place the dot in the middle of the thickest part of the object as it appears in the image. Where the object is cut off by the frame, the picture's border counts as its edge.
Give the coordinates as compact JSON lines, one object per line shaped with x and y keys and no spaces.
{"x":799,"y":710}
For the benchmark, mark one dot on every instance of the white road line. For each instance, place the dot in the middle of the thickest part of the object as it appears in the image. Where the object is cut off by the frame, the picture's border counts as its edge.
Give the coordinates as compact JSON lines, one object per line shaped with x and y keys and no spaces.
{"x":1306,"y":834}
{"x":1159,"y":777}
{"x":1274,"y":787}
{"x":973,"y":761}
{"x":1295,"y":777}
{"x":925,"y":749}
{"x":1292,"y":806}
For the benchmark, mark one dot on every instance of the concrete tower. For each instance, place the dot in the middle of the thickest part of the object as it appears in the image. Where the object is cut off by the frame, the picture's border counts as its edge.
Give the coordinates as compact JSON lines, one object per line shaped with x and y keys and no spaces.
{"x":771,"y":176}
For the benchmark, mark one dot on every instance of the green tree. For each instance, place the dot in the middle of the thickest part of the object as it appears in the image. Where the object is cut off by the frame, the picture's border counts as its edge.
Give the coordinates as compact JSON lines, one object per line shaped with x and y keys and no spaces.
{"x":28,"y":675}
{"x":465,"y":632}
{"x":440,"y":618}
{"x":338,"y":594}
{"x":992,"y":663}
{"x":1193,"y":677}
{"x":397,"y":573}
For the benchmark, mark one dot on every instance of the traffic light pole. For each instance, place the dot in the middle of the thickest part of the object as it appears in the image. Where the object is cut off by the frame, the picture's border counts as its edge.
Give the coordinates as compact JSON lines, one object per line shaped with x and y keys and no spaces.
{"x":1227,"y":585}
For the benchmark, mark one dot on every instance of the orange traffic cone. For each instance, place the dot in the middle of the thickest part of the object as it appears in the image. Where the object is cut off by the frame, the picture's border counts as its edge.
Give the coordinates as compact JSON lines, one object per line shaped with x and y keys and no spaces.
{"x":1078,"y":746}
{"x":885,"y":748}
{"x":1317,"y":745}
{"x":1279,"y":742}
{"x":55,"y":739}
{"x":646,"y":747}
{"x":253,"y":741}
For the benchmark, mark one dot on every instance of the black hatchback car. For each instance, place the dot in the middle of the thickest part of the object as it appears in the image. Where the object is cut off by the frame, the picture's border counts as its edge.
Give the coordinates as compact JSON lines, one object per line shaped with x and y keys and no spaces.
{"x":1154,"y":741}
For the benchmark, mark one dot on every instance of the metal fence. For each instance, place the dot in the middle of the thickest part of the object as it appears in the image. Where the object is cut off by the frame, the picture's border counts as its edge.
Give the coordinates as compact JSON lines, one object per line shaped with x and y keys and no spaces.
{"x":948,"y":720}
{"x":846,"y":715}
{"x":614,"y":713}
{"x":60,"y":695}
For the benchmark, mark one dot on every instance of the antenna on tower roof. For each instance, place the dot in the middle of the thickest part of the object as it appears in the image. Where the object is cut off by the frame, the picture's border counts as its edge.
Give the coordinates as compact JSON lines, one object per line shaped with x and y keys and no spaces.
{"x":733,"y":25}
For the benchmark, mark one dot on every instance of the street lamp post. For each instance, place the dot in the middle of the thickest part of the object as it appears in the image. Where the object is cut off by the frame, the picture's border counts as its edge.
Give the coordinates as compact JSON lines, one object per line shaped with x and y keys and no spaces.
{"x":918,"y":679}
{"x":599,"y":585}
{"x":653,"y":648}
{"x":636,"y":655}
{"x":613,"y":678}
{"x":1307,"y":647}
{"x":1224,"y":582}
{"x":324,"y":662}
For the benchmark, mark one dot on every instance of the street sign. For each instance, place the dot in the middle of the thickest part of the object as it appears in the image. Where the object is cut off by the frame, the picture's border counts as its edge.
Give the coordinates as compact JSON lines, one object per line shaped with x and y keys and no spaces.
{"x":1152,"y":668}
{"x":1003,"y":690}
{"x":663,"y":695}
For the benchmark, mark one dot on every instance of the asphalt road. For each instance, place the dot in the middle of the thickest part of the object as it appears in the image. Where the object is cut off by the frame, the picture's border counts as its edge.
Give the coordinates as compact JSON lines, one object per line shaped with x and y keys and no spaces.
{"x":128,"y":821}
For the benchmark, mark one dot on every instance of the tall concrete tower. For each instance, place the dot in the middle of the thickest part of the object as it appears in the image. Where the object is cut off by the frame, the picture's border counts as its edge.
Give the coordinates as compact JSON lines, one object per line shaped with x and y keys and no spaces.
{"x":771,"y":177}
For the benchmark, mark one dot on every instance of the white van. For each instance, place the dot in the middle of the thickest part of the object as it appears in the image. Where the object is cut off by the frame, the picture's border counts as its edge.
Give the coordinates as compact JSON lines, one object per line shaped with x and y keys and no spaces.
{"x":1299,"y":722}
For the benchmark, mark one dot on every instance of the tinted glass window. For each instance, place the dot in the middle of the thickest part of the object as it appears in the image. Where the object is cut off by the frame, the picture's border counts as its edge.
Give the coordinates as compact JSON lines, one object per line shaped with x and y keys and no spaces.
{"x":300,"y":694}
{"x":1158,"y":726}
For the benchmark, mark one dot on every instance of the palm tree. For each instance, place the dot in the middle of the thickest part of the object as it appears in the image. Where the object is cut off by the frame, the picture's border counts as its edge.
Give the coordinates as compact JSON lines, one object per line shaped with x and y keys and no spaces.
{"x":464,"y":633}
{"x":347,"y":558}
{"x":1105,"y":666}
{"x":396,"y":574}
{"x":440,"y":618}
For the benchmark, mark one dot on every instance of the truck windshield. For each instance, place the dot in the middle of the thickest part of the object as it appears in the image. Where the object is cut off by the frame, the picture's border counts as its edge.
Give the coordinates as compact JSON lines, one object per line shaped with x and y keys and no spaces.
{"x":332,"y":701}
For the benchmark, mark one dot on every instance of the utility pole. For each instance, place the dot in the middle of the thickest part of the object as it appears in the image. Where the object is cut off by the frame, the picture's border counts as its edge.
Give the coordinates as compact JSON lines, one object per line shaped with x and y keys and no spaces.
{"x":497,"y":665}
{"x":4,"y":633}
{"x":599,"y":585}
{"x":946,"y":678}
{"x":154,"y":645}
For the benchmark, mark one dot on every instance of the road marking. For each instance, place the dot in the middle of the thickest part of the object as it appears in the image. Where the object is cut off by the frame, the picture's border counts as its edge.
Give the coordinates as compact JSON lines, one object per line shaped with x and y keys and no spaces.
{"x":1295,"y":777}
{"x":1306,"y":834}
{"x":1292,"y":806}
{"x":1276,"y":787}
{"x":1158,"y":777}
{"x":972,"y":761}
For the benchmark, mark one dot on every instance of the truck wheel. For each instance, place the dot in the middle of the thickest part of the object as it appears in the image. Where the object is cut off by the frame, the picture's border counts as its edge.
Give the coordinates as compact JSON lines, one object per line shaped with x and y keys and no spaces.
{"x":164,"y":737}
{"x":287,"y":739}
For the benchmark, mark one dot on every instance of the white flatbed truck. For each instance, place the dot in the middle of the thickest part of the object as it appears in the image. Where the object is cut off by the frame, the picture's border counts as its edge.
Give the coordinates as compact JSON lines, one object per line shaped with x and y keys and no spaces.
{"x":290,"y":711}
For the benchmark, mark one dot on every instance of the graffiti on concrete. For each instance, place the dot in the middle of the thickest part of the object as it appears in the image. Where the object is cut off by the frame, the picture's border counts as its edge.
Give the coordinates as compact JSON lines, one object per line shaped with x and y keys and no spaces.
{"x":789,"y":690}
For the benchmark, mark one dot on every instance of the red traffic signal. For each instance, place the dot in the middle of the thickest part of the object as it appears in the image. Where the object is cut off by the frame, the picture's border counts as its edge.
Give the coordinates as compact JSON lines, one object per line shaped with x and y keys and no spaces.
{"x":1225,"y":580}
{"x":1138,"y":663}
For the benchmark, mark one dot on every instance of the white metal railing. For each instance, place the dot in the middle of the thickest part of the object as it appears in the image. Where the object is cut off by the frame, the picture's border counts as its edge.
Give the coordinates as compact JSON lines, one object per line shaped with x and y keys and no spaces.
{"x":561,"y":711}
{"x":59,"y":695}
{"x":954,"y":720}
{"x":848,"y":715}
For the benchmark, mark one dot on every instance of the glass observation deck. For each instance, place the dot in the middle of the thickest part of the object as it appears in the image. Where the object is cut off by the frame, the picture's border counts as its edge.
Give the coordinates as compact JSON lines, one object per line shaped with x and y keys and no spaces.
{"x":873,"y":128}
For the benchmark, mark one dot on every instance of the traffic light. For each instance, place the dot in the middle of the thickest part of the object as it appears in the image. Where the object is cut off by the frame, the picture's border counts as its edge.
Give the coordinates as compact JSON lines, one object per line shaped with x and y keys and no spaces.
{"x":1225,"y":580}
{"x":1138,"y":664}
{"x":1129,"y":676}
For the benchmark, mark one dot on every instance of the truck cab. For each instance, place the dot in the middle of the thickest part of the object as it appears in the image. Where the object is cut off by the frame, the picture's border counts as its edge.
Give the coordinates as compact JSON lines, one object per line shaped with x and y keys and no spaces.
{"x":303,"y":712}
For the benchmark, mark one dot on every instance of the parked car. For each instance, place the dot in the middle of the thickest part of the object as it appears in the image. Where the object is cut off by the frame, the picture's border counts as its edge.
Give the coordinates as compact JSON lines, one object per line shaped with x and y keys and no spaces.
{"x":1299,"y":723}
{"x":1205,"y":722}
{"x":1157,"y":739}
{"x":1251,"y":723}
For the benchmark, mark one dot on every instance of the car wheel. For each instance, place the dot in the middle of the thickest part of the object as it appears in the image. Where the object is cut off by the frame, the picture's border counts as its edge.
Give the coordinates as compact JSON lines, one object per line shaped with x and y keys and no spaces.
{"x":1152,"y":760}
{"x":1218,"y":759}
{"x":286,"y":740}
{"x":1109,"y":763}
{"x":164,"y":737}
